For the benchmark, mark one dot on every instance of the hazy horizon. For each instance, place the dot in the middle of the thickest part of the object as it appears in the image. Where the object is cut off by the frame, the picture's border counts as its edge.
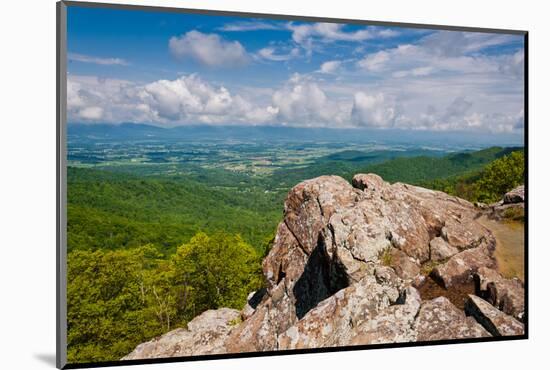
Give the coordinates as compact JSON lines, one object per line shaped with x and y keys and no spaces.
{"x":277,"y":132}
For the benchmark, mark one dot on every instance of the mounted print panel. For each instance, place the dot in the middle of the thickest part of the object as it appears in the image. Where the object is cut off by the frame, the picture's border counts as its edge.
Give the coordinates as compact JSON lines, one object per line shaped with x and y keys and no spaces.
{"x":237,"y":184}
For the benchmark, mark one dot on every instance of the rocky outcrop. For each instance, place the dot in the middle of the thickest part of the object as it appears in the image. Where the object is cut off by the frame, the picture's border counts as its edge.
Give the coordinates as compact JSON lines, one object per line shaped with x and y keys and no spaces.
{"x":511,"y":207}
{"x":462,"y":266}
{"x":344,"y":268}
{"x":333,"y":321}
{"x":494,"y":321}
{"x":440,"y":250}
{"x":505,"y":294}
{"x":404,"y":266}
{"x":439,"y":319}
{"x":514,"y":196}
{"x":205,"y":334}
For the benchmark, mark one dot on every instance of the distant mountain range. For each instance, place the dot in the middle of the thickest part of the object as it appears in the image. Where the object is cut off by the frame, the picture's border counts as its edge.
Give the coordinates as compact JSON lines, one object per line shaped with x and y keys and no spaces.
{"x":133,"y":131}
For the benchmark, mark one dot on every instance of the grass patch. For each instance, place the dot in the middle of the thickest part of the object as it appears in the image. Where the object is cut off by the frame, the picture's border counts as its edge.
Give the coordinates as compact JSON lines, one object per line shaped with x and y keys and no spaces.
{"x":514,"y":214}
{"x":385,"y":257}
{"x":236,"y":321}
{"x":427,"y":267}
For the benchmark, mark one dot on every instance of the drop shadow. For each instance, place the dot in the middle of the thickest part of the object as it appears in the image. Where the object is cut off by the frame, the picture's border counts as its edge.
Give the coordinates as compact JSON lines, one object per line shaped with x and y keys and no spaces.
{"x":46,"y":358}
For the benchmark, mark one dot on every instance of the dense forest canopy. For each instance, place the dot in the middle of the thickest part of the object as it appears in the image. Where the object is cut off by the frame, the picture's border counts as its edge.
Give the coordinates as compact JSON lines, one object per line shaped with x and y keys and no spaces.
{"x":118,"y":298}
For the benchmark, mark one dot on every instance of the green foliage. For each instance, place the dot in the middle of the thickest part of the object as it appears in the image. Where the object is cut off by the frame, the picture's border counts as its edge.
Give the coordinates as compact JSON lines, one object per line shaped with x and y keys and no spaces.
{"x":500,"y":176}
{"x":514,"y":214}
{"x":110,"y":307}
{"x":348,"y":163}
{"x":108,"y":210}
{"x":112,"y":210}
{"x":427,"y":267}
{"x":118,"y":299}
{"x":419,"y":170}
{"x":488,"y":184}
{"x":221,"y":268}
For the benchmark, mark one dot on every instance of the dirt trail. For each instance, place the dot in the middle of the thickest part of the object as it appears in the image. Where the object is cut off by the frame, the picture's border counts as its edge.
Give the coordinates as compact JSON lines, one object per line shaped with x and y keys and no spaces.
{"x":510,"y":246}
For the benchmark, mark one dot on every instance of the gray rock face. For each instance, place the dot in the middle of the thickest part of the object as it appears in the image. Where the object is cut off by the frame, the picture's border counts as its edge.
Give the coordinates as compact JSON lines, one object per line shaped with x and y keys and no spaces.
{"x":343,"y":268}
{"x":494,"y":321}
{"x":439,"y":319}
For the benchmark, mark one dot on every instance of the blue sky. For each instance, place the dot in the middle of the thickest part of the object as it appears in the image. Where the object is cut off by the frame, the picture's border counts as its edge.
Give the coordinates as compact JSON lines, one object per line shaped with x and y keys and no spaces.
{"x":172,"y":69}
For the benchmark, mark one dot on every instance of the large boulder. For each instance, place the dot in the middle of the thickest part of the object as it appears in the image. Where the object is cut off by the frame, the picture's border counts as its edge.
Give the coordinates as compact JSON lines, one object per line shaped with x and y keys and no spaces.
{"x":332,"y":322}
{"x":510,"y":207}
{"x":460,"y":268}
{"x":404,"y":266}
{"x":439,"y":319}
{"x":205,"y":334}
{"x":310,"y":204}
{"x":493,"y":320}
{"x":464,"y":233}
{"x":516,"y":195}
{"x":508,"y":295}
{"x":440,"y":250}
{"x":394,"y":324}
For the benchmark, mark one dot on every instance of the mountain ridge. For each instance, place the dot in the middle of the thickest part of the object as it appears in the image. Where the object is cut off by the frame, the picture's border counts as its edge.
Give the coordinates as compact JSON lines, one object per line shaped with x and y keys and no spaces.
{"x":293,"y":133}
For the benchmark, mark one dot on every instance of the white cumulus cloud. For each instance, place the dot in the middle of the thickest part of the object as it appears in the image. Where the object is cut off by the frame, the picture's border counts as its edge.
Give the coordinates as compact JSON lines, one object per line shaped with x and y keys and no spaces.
{"x":463,"y":103}
{"x":245,"y":26}
{"x":307,"y":34}
{"x":375,"y":111}
{"x":91,"y":113}
{"x":331,"y":66}
{"x":208,"y":49}
{"x":303,"y":102}
{"x":187,"y":99}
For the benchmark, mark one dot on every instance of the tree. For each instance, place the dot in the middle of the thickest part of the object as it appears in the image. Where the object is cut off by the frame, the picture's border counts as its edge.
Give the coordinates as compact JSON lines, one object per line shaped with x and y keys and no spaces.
{"x":488,"y":184}
{"x":115,"y":300}
{"x":501,"y":176}
{"x":221,"y":269}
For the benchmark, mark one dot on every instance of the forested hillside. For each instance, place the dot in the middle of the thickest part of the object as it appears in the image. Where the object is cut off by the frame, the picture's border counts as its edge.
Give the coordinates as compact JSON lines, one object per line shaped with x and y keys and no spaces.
{"x":419,"y":170}
{"x":487,"y":184}
{"x":108,"y":210}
